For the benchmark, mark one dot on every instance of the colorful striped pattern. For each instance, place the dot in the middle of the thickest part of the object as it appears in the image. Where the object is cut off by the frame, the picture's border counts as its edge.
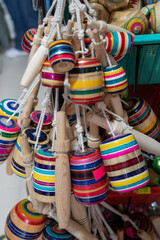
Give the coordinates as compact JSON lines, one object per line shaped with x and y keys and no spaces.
{"x":119,"y":44}
{"x":86,"y":81}
{"x":17,"y":164}
{"x":153,"y":20}
{"x":47,"y":122}
{"x":44,"y":175}
{"x":86,"y":188}
{"x":61,"y":56}
{"x":8,"y":107}
{"x":49,"y":78}
{"x":23,"y":222}
{"x":53,"y":232}
{"x":124,"y":163}
{"x":8,"y":135}
{"x":115,"y":79}
{"x":142,"y":117}
{"x":28,"y":39}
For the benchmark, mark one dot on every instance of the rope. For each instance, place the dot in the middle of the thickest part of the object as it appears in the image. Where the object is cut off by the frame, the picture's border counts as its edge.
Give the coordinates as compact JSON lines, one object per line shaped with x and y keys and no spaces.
{"x":45,"y":20}
{"x":79,"y":127}
{"x":26,"y":96}
{"x":40,"y":123}
{"x":54,"y":124}
{"x":123,"y":216}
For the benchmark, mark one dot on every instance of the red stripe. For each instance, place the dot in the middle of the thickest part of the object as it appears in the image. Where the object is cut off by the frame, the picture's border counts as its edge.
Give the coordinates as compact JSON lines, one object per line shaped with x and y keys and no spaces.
{"x":123,"y":43}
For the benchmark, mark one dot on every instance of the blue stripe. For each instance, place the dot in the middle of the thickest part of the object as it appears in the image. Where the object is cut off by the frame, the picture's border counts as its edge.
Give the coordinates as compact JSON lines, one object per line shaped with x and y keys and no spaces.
{"x":20,"y":233}
{"x":119,"y":148}
{"x":131,"y":185}
{"x":87,"y":182}
{"x":115,"y":43}
{"x":44,"y":172}
{"x":93,"y":199}
{"x":114,"y":81}
{"x":127,"y":175}
{"x":109,"y":69}
{"x":140,"y":104}
{"x":43,"y":166}
{"x":64,"y":60}
{"x":116,"y":138}
{"x":8,"y":142}
{"x":44,"y":188}
{"x":152,"y":129}
{"x":44,"y":193}
{"x":140,"y":117}
{"x":86,"y":166}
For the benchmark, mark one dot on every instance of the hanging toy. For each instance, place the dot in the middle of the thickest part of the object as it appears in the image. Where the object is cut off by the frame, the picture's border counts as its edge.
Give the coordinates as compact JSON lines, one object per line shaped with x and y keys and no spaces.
{"x":9,"y":131}
{"x":53,"y":231}
{"x":7,"y":108}
{"x":44,"y":175}
{"x":119,"y":44}
{"x":17,"y":164}
{"x":141,"y":117}
{"x":124,"y":163}
{"x":86,"y":81}
{"x":49,"y":78}
{"x":61,"y":56}
{"x":27,"y":39}
{"x":23,"y":222}
{"x":46,"y":126}
{"x":89,"y":181}
{"x":115,"y":79}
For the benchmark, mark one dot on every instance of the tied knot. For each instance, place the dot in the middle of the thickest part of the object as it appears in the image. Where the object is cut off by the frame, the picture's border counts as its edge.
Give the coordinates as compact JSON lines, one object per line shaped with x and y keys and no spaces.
{"x":65,"y":95}
{"x":79,"y":128}
{"x":81,"y":34}
{"x":45,"y":20}
{"x":125,"y":218}
{"x":101,"y":105}
{"x":54,"y":123}
{"x":126,"y":126}
{"x":72,"y":8}
{"x":92,"y":12}
{"x":58,"y":19}
{"x":82,"y":8}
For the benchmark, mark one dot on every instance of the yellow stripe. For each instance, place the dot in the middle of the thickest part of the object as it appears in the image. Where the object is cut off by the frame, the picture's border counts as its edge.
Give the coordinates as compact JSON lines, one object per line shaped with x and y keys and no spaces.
{"x":150,"y":126}
{"x":43,"y":178}
{"x":119,"y":70}
{"x":59,"y":83}
{"x":59,"y":42}
{"x":4,"y":114}
{"x":86,"y":84}
{"x":117,"y":143}
{"x":18,"y":173}
{"x":125,"y":182}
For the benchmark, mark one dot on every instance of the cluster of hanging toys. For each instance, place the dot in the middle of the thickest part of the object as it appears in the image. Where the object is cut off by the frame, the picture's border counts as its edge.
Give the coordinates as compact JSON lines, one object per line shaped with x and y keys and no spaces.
{"x":68,"y":164}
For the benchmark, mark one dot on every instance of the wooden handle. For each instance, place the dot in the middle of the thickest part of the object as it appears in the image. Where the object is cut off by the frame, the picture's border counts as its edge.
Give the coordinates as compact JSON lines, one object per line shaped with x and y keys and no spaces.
{"x":36,"y":41}
{"x":120,"y":234}
{"x":9,"y":170}
{"x":94,"y":139}
{"x":143,"y":235}
{"x":68,"y":34}
{"x":62,"y":173}
{"x":79,"y":213}
{"x":99,"y":48}
{"x":27,"y":157}
{"x":117,"y":104}
{"x":25,"y":117}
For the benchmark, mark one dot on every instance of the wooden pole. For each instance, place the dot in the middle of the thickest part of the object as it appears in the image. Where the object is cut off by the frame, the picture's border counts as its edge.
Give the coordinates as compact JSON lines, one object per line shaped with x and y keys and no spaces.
{"x":62,"y":173}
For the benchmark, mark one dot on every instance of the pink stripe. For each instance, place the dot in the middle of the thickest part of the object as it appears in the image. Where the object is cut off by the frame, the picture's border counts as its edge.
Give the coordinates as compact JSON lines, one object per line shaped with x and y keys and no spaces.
{"x":63,"y":56}
{"x":114,"y":75}
{"x":121,"y":153}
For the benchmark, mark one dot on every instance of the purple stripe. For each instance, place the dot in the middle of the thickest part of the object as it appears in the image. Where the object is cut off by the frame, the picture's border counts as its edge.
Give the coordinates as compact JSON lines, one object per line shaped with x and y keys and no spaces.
{"x":52,"y":184}
{"x":53,"y":76}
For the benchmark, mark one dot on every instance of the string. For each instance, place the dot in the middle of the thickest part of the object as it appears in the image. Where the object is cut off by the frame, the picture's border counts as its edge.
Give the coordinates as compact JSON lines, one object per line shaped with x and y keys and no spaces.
{"x":26,"y":96}
{"x":40,"y":123}
{"x":123,"y":216}
{"x":113,"y":236}
{"x":45,"y":20}
{"x":124,"y":102}
{"x":54,"y":124}
{"x":79,"y":127}
{"x":108,"y":59}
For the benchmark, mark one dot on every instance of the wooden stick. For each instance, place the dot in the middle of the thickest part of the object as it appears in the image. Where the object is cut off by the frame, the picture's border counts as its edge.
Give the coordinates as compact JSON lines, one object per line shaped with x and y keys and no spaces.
{"x":68,"y":34}
{"x":103,"y":26}
{"x":9,"y":170}
{"x":94,"y":139}
{"x":99,"y":48}
{"x":145,"y":142}
{"x":62,"y":173}
{"x":36,"y":41}
{"x":143,"y":235}
{"x":117,"y":105}
{"x":27,"y":157}
{"x":120,"y":234}
{"x":79,"y":213}
{"x":36,"y":62}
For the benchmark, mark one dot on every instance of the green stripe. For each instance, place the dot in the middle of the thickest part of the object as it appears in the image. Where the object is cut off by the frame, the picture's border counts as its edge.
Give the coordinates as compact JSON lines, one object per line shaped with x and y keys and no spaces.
{"x":87,"y":91}
{"x":9,"y":135}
